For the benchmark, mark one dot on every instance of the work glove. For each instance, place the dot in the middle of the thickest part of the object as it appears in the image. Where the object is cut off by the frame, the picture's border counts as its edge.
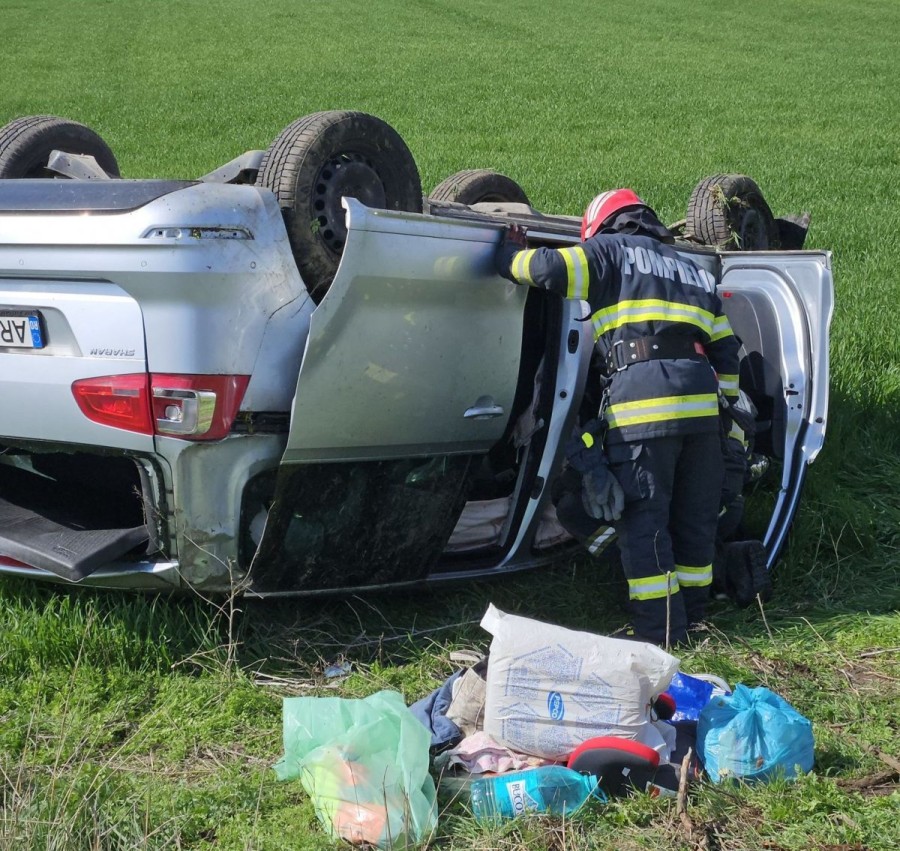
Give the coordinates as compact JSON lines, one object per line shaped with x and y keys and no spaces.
{"x":601,"y":493}
{"x":512,"y":240}
{"x":742,"y":412}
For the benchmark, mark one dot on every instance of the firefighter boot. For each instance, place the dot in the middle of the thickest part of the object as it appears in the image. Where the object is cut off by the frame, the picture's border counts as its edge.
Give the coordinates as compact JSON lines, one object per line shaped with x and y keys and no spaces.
{"x":740,"y":572}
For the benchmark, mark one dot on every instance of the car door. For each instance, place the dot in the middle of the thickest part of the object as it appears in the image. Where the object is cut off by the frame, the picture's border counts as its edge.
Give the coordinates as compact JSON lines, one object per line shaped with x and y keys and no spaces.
{"x":408,"y":378}
{"x":780,"y":305}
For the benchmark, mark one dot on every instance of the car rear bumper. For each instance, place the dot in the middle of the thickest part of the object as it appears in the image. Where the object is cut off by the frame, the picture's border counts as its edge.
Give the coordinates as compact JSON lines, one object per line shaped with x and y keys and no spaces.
{"x":137,"y":576}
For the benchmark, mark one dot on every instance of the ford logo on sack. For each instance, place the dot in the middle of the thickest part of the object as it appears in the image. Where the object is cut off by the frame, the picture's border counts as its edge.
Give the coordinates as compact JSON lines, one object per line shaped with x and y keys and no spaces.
{"x":555,"y":705}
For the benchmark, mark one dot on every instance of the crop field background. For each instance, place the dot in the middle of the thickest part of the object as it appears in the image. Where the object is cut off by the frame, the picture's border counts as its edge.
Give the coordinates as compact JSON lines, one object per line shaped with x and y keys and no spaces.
{"x":132,"y":722}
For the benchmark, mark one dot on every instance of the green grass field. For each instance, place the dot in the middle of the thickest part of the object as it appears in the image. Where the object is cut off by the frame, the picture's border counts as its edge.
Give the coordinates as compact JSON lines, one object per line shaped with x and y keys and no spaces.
{"x":130,"y":722}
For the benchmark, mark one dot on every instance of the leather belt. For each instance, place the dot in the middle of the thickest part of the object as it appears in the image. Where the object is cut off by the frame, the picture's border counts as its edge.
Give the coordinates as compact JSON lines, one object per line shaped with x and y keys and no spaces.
{"x":624,"y":353}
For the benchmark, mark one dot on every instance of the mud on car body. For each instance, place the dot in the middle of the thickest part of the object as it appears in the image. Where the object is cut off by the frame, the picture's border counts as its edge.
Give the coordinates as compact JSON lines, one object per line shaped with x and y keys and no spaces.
{"x":297,"y":375}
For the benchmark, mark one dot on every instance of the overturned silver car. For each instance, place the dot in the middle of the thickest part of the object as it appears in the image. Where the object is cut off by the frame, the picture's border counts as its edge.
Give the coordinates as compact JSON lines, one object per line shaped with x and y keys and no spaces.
{"x":296,"y":375}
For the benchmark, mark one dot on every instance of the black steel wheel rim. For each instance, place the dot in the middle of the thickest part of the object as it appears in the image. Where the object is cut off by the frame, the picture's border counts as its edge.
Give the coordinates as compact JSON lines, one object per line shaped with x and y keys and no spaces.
{"x":348,"y":174}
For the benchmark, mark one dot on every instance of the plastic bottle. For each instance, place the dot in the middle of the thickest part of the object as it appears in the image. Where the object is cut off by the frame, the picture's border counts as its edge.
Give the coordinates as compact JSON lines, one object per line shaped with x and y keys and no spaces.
{"x":546,"y":789}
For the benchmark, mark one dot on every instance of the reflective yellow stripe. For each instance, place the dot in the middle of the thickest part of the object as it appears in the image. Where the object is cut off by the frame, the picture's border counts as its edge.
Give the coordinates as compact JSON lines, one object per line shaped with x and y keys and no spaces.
{"x":661,"y":409}
{"x":653,"y":587}
{"x":581,"y":261}
{"x":705,"y":398}
{"x":721,"y":329}
{"x":622,"y":422}
{"x":587,"y":439}
{"x":516,"y":266}
{"x":566,"y":254}
{"x":694,"y":577}
{"x":728,"y":384}
{"x":577,"y":276}
{"x":600,"y":539}
{"x":625,"y":311}
{"x":651,"y":310}
{"x":730,"y":380}
{"x":520,"y":266}
{"x":737,"y":433}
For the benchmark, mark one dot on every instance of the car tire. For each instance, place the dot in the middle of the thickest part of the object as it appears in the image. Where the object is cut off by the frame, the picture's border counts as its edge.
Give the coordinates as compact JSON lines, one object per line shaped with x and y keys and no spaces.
{"x":728,"y":211}
{"x":322,"y":157}
{"x":477,"y":186}
{"x":26,"y":144}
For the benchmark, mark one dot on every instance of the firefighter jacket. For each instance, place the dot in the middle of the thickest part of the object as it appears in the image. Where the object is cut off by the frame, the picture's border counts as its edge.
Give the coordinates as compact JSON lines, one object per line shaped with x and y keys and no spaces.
{"x":639,"y":287}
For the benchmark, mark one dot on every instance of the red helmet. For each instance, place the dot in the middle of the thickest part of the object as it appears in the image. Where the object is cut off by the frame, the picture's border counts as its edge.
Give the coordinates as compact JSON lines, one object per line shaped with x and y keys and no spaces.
{"x":607,"y":204}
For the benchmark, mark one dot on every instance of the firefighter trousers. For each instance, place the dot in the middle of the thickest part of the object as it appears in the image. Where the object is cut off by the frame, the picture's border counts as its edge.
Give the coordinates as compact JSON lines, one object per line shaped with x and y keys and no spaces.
{"x":667,"y":533}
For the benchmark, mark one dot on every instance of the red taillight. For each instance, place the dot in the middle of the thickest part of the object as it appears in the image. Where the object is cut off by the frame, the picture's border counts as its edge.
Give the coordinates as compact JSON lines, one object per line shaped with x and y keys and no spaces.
{"x":196,"y":407}
{"x":193,"y":407}
{"x":121,"y":401}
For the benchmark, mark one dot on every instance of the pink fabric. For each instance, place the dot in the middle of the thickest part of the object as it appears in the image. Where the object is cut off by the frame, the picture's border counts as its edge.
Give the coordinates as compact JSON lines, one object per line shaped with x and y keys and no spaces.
{"x":479,"y":753}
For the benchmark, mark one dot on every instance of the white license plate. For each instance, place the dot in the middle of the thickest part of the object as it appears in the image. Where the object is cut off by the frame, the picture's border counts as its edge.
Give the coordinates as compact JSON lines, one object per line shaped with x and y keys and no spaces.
{"x":21,"y":329}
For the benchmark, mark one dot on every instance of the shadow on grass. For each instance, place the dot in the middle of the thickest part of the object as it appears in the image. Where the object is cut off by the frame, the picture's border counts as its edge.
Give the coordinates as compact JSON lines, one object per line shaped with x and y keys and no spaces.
{"x":304,"y":635}
{"x":842,"y":560}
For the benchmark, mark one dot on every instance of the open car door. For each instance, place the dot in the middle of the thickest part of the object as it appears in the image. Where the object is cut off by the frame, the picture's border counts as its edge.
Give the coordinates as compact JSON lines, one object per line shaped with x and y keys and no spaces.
{"x":408,"y":377}
{"x":780,"y":305}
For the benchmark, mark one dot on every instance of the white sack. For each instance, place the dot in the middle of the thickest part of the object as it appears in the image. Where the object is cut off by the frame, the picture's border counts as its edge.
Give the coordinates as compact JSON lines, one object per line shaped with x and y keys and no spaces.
{"x":549,"y":688}
{"x":482,"y":520}
{"x":479,"y":525}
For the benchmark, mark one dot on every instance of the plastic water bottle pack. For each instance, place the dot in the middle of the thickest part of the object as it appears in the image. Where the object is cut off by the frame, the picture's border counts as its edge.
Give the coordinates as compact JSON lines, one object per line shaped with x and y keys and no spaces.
{"x":551,"y":789}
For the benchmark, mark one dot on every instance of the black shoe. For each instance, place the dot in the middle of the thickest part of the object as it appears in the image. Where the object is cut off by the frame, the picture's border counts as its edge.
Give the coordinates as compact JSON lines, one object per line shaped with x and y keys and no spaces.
{"x":744,"y":572}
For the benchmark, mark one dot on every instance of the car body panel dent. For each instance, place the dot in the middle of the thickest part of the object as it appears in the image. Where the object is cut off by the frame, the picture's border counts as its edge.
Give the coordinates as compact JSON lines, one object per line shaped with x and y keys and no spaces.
{"x":404,"y":344}
{"x":206,"y":488}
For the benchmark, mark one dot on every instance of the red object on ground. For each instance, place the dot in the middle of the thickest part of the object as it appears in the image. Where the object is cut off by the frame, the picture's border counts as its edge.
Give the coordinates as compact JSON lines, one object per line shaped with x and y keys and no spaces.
{"x":619,"y":765}
{"x":664,"y":706}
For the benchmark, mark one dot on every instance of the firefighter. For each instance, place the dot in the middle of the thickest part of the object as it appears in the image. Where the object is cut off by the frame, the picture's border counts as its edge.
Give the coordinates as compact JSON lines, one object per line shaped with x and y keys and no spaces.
{"x":667,"y":352}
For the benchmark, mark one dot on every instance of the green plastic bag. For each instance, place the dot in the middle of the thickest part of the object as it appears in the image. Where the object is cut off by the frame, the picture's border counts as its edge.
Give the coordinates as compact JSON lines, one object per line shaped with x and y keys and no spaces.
{"x":364,"y":764}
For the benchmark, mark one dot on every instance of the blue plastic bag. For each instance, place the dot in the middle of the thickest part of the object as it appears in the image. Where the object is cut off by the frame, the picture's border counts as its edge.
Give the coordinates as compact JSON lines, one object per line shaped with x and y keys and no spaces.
{"x":690,"y":696}
{"x":753,"y":734}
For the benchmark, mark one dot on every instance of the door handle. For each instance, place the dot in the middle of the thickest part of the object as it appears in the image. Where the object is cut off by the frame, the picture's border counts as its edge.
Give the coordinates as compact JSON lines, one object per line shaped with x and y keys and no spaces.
{"x":485,"y":408}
